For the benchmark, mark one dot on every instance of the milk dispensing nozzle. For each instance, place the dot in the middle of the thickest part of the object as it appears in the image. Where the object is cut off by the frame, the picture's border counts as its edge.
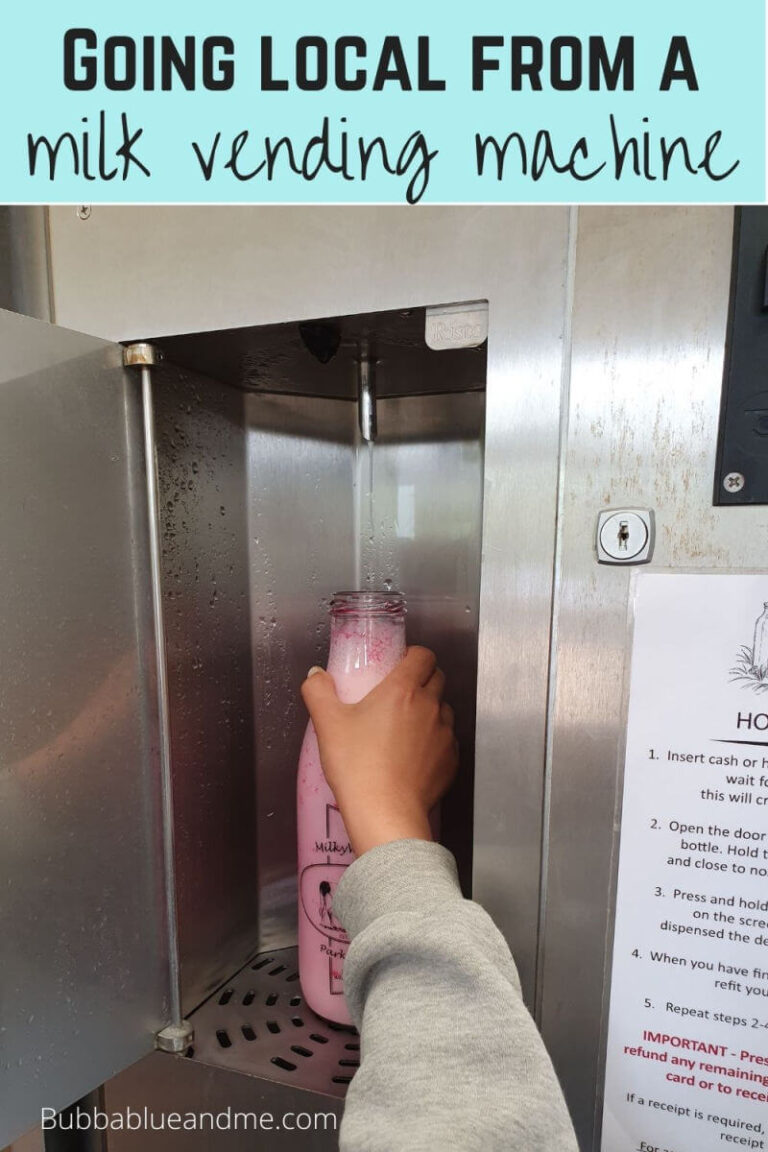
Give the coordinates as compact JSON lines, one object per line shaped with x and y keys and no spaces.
{"x":366,"y":393}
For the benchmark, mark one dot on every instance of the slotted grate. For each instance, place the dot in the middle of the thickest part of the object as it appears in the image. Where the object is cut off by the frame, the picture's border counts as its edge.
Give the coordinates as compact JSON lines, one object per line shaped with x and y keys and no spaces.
{"x":258,"y":1024}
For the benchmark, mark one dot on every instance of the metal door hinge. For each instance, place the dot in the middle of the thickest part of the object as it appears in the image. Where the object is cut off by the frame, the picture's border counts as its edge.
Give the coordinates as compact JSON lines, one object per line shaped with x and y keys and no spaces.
{"x":176,"y":1037}
{"x":141,"y":355}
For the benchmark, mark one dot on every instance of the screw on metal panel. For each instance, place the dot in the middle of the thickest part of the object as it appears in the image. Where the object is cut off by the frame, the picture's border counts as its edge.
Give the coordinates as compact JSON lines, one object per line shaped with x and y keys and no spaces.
{"x":176,"y":1037}
{"x":83,"y":211}
{"x":141,"y":355}
{"x":734,"y":482}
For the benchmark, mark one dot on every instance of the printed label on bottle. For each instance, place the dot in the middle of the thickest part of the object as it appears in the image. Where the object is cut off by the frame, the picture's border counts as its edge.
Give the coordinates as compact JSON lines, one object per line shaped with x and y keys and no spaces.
{"x":317,"y":885}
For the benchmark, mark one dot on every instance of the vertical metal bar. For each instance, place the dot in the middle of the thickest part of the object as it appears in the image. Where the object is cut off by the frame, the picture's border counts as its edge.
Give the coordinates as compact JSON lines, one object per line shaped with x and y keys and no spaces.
{"x":153,"y":507}
{"x":565,"y":390}
{"x":367,"y":422}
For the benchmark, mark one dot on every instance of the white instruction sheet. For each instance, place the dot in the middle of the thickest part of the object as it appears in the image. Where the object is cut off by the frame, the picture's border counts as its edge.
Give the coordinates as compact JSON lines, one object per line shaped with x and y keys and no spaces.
{"x":687,"y":1057}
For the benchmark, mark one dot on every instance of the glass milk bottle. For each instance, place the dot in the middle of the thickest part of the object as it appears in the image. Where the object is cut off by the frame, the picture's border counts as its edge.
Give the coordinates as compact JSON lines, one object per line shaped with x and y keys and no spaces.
{"x":367,"y":641}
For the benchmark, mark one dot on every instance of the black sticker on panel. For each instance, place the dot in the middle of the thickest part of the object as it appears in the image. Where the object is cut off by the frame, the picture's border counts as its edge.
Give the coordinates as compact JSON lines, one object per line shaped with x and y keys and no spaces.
{"x":741,"y":475}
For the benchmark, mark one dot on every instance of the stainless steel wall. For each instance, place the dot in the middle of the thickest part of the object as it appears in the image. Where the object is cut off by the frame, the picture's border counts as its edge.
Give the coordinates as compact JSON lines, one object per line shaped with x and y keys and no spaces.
{"x":649,"y":323}
{"x":202,"y":464}
{"x":419,"y":526}
{"x":24,"y":264}
{"x":301,"y":542}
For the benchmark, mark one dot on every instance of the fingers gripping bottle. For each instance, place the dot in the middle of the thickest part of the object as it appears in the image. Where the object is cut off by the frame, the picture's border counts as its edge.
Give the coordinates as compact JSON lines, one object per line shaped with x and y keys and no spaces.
{"x":367,"y":642}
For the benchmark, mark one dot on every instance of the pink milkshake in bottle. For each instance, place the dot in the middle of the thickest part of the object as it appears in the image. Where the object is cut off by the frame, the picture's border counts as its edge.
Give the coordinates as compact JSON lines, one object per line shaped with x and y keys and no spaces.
{"x":367,"y":642}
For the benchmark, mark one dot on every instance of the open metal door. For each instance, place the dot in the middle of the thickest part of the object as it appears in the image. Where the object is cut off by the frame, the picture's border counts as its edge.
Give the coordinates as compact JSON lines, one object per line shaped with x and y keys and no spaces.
{"x":84,"y":982}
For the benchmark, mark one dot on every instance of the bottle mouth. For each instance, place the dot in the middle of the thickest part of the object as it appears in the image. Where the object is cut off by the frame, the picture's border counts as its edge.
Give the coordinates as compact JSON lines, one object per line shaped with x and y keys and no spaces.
{"x":391,"y":604}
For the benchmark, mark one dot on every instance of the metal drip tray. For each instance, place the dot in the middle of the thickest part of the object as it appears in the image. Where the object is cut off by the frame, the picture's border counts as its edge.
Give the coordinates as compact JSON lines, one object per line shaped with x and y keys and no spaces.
{"x":259,"y":1025}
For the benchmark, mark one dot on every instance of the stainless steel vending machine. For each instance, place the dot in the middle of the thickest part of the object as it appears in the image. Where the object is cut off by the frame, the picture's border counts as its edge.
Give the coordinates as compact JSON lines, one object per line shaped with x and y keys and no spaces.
{"x":210,"y":420}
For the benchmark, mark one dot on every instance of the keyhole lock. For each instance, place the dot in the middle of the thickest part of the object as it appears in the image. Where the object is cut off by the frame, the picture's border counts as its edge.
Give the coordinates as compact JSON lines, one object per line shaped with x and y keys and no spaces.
{"x":625,"y":536}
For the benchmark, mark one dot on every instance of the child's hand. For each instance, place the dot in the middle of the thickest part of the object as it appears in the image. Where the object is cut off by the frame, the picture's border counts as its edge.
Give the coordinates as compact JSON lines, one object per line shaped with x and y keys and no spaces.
{"x":389,"y":758}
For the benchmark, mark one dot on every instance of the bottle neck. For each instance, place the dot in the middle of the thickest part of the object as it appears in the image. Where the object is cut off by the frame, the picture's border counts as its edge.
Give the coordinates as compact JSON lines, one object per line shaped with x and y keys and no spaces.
{"x":364,"y":649}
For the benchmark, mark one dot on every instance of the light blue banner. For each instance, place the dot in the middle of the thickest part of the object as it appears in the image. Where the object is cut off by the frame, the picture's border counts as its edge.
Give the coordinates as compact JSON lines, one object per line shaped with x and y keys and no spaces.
{"x":349,"y":103}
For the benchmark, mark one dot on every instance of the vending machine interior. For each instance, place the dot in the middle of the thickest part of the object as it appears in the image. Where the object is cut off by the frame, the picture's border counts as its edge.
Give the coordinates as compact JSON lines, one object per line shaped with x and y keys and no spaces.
{"x":295,"y":460}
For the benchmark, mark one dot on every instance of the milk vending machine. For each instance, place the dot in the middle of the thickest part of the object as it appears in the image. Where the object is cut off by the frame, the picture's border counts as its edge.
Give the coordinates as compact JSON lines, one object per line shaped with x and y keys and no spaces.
{"x":514,"y":416}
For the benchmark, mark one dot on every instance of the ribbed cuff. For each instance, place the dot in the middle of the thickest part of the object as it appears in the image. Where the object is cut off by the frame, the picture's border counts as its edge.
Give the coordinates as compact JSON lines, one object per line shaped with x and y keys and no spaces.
{"x":401,"y":876}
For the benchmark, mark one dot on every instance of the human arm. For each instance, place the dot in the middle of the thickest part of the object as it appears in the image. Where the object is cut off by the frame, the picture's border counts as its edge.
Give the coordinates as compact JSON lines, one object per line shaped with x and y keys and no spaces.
{"x":450,"y":1056}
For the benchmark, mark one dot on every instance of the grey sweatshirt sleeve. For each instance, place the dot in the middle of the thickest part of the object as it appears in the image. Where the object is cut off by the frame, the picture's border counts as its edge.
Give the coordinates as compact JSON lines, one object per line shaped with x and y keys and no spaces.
{"x":450,"y":1057}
